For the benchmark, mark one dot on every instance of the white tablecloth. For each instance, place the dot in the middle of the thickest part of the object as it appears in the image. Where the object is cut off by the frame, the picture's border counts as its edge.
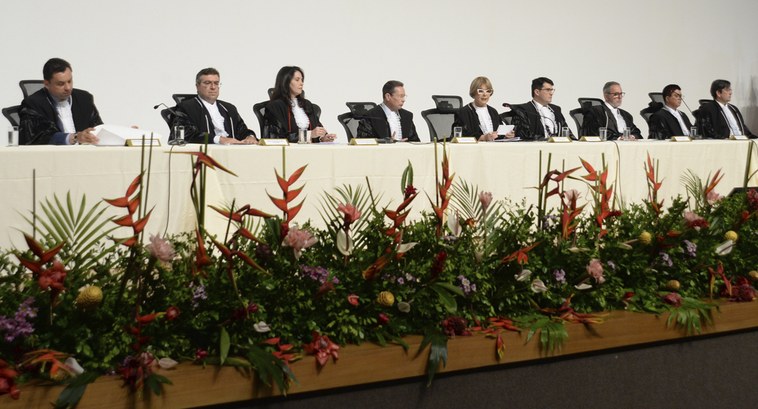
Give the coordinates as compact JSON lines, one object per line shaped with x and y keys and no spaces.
{"x":506,"y":169}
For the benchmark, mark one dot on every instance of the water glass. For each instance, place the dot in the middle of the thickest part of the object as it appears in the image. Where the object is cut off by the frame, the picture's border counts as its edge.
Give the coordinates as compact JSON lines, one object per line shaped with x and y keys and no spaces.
{"x":302,"y":136}
{"x":693,"y":133}
{"x":603,"y":133}
{"x":178,"y":136}
{"x":457,"y":131}
{"x":627,"y":134}
{"x":12,"y":136}
{"x":565,"y":132}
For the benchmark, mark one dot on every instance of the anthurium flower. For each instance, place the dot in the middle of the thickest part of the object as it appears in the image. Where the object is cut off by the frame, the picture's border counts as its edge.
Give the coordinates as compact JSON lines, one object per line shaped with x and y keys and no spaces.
{"x":583,"y":286}
{"x":454,"y":225}
{"x":167,"y":363}
{"x":73,"y":366}
{"x":345,"y":242}
{"x":261,"y":327}
{"x":403,"y":306}
{"x":725,"y":248}
{"x":351,"y":213}
{"x":523,"y":275}
{"x":538,"y":286}
{"x":353,"y":299}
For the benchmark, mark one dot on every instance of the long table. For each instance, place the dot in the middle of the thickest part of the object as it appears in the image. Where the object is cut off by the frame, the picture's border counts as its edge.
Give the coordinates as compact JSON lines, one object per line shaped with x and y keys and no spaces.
{"x":508,"y":170}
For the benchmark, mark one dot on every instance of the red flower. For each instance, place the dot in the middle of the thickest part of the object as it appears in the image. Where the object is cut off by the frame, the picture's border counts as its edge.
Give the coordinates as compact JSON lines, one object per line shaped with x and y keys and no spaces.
{"x":200,"y":354}
{"x":383,"y":319}
{"x":353,"y":299}
{"x":439,"y":264}
{"x":8,"y":380}
{"x":351,"y":213}
{"x":322,"y":347}
{"x":673,"y":299}
{"x":409,"y":191}
{"x":752,"y":199}
{"x":453,"y":326}
{"x":171,"y":313}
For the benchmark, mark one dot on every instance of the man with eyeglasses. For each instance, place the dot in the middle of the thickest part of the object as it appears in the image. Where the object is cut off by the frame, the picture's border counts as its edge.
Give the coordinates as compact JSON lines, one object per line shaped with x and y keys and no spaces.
{"x":206,"y":114}
{"x":610,"y":116}
{"x":58,"y":114}
{"x":669,"y":121}
{"x":718,"y":119}
{"x":539,"y":118}
{"x":388,"y":122}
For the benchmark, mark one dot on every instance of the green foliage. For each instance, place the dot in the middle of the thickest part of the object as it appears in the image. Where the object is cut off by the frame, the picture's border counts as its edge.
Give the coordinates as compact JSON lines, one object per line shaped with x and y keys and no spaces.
{"x":691,"y":315}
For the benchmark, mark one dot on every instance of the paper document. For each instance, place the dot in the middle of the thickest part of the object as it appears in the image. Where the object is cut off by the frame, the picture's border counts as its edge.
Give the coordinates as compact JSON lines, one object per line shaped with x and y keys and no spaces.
{"x":505,"y":129}
{"x":116,"y":135}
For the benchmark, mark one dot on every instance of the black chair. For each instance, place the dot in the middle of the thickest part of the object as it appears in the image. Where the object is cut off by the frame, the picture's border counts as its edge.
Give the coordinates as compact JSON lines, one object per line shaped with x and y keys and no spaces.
{"x":169,"y":118}
{"x":652,"y":108}
{"x":350,"y":123}
{"x":656,"y":96}
{"x":447,"y":103}
{"x":12,"y":114}
{"x":260,"y":111}
{"x":178,"y":98}
{"x":270,"y":92}
{"x":592,"y":101}
{"x":359,"y":109}
{"x":704,"y":101}
{"x":29,"y":87}
{"x":440,"y":123}
{"x":317,"y":110}
{"x":578,"y":116}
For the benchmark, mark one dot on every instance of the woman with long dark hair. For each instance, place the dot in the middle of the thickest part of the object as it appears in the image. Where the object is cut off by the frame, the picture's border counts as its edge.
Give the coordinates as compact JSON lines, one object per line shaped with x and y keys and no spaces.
{"x":289,"y":111}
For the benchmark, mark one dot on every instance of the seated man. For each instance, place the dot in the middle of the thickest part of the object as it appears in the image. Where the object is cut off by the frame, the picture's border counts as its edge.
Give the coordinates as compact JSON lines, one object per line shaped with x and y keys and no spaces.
{"x":610,"y":116}
{"x":719,"y":119}
{"x":669,"y":121}
{"x":539,"y":118}
{"x":206,"y":114}
{"x":389,"y":121}
{"x":58,"y":114}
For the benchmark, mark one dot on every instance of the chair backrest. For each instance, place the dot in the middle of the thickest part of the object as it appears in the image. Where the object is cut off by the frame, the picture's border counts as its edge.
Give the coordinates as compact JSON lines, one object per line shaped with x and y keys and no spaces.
{"x":29,"y":87}
{"x":169,"y":118}
{"x":646,"y":114}
{"x":447,"y":103}
{"x":11,"y":113}
{"x":350,"y":123}
{"x":578,"y":116}
{"x":656,"y":96}
{"x":359,"y":109}
{"x":260,"y":111}
{"x":703,"y":101}
{"x":440,"y":123}
{"x":178,"y":98}
{"x":270,"y":92}
{"x":653,"y":107}
{"x":592,"y":101}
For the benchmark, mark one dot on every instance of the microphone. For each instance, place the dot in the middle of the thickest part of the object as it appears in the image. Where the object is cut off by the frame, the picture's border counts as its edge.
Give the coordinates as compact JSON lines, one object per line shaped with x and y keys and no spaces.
{"x":171,"y":110}
{"x":174,"y":139}
{"x":688,"y":107}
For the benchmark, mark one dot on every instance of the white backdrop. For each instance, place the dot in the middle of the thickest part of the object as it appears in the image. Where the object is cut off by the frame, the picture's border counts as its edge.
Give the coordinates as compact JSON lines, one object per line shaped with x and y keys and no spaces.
{"x":134,"y":54}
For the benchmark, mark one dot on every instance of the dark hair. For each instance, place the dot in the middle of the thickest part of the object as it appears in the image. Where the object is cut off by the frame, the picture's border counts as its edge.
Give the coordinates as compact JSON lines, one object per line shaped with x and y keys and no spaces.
{"x":389,"y":87}
{"x":669,"y":89}
{"x":718,"y":85}
{"x":53,"y":66}
{"x":206,"y":71}
{"x":282,"y":85}
{"x":537,"y":83}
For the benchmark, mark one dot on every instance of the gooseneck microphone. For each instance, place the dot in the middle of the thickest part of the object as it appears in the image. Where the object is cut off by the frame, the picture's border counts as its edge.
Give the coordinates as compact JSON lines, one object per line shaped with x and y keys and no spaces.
{"x":174,"y":139}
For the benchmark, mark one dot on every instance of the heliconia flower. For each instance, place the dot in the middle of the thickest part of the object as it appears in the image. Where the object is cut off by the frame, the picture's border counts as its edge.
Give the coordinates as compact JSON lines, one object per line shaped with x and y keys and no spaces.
{"x":161,"y":248}
{"x":351,"y":213}
{"x":261,"y":327}
{"x":595,"y":270}
{"x":538,"y":286}
{"x":353,"y":299}
{"x":299,"y":239}
{"x":409,"y":191}
{"x":523,"y":275}
{"x":323,"y":348}
{"x":485,"y":198}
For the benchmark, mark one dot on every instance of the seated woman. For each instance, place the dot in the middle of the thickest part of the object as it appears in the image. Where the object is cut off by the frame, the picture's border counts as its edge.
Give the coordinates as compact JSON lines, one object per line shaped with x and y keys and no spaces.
{"x":288,"y":111}
{"x":477,"y":118}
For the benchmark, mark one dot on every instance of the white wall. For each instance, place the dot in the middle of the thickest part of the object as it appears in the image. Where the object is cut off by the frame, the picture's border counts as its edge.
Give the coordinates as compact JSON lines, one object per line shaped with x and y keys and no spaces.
{"x":134,"y":54}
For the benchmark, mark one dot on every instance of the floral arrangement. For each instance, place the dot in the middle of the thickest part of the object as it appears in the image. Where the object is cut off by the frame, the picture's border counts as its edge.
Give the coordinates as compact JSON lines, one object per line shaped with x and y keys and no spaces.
{"x":79,"y":302}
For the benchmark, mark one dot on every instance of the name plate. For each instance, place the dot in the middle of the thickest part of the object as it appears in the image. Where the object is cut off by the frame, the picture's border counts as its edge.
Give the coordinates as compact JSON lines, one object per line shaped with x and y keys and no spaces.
{"x":143,"y":142}
{"x":681,"y":139}
{"x":363,"y":142}
{"x":738,"y":137}
{"x":559,"y":139}
{"x":273,"y":142}
{"x":590,"y":139}
{"x":464,"y":139}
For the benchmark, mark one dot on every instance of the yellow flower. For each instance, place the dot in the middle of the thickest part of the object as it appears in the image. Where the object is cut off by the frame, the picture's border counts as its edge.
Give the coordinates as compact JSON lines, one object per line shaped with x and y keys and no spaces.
{"x":673,"y":285}
{"x":646,"y":238}
{"x":731,"y":235}
{"x":89,"y":297}
{"x":385,"y":298}
{"x":753,"y":275}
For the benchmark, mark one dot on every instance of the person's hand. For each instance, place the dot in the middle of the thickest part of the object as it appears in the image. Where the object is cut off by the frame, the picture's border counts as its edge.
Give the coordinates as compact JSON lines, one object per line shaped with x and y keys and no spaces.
{"x":318,"y":132}
{"x":327,"y":137}
{"x":510,"y":135}
{"x":230,"y":141}
{"x":86,"y":137}
{"x":250,"y":140}
{"x":490,"y":136}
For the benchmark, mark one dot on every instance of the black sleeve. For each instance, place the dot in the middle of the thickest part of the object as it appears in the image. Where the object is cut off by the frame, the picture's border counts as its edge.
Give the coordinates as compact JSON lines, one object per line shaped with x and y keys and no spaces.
{"x":276,"y":118}
{"x":521,"y":122}
{"x":190,"y":117}
{"x":35,"y":128}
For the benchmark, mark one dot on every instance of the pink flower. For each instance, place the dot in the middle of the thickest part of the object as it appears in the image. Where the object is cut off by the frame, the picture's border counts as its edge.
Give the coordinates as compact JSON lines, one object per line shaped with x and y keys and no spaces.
{"x":485,"y":198}
{"x":161,"y":249}
{"x":383,"y":319}
{"x":353,"y":299}
{"x":351,"y":213}
{"x":694,"y":220}
{"x":713,"y":197}
{"x":571,"y":195}
{"x":595,"y":270}
{"x":299,"y":240}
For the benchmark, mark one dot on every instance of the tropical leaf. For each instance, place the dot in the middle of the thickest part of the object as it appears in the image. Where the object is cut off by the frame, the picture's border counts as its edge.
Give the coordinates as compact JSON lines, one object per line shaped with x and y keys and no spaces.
{"x":437,"y":353}
{"x":270,"y":369}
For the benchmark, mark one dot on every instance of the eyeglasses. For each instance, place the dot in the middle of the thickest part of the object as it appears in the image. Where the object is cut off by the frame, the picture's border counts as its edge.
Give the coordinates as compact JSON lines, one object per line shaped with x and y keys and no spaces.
{"x":550,"y":90}
{"x":484,"y":91}
{"x":209,"y":83}
{"x":617,"y":94}
{"x":677,"y":95}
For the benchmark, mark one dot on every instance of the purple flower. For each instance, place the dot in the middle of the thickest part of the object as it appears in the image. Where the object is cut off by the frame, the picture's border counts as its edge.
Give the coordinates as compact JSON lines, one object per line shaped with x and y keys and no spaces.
{"x":690,"y":248}
{"x":665,"y":259}
{"x":161,"y":249}
{"x":560,"y":275}
{"x":400,"y":280}
{"x":198,"y":294}
{"x":466,"y":285}
{"x":319,"y":274}
{"x":18,"y":326}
